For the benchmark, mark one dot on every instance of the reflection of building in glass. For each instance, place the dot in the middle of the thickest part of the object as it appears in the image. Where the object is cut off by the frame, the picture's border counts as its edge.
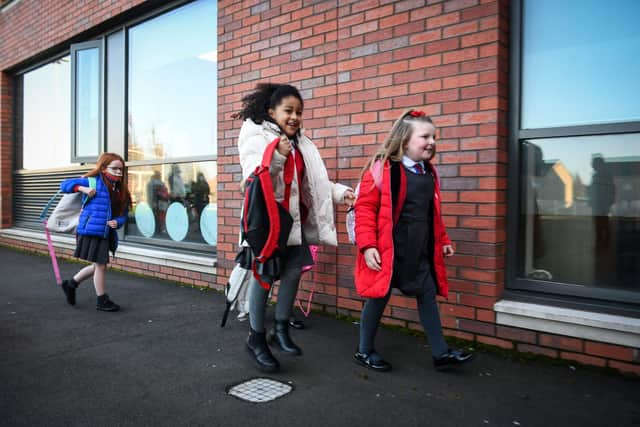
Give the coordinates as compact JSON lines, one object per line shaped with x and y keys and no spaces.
{"x":626,"y":178}
{"x":576,"y":232}
{"x":567,"y":182}
{"x":556,"y":194}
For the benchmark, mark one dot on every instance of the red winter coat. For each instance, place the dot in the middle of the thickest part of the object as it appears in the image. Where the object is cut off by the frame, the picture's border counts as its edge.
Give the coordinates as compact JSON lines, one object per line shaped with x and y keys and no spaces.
{"x":375,"y":218}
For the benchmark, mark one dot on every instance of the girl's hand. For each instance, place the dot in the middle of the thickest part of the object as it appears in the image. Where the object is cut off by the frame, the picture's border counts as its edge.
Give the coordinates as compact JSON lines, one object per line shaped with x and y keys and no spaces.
{"x":372,"y":258}
{"x":113,"y":223}
{"x":349,"y":198}
{"x":448,"y":250}
{"x":90,"y":192}
{"x":284,"y":146}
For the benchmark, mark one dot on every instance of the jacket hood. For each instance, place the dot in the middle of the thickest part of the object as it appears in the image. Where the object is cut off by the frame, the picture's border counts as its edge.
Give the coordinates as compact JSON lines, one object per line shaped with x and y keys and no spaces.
{"x":269,"y":129}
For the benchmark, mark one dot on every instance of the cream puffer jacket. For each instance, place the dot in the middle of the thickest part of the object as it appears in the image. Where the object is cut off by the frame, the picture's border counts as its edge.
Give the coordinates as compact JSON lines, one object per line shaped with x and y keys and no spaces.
{"x":318,"y":193}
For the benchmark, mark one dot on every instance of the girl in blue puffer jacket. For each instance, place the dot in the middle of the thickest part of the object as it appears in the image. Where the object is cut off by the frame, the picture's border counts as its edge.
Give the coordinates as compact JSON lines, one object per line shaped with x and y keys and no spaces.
{"x":105,"y":211}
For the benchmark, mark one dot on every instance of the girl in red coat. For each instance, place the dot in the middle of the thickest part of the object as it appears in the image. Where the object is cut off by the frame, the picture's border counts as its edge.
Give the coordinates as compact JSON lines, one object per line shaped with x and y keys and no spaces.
{"x":401,"y":238}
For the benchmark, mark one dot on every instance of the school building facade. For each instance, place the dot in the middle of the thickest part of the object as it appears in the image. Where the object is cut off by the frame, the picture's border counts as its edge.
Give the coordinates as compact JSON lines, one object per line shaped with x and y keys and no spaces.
{"x":538,"y":143}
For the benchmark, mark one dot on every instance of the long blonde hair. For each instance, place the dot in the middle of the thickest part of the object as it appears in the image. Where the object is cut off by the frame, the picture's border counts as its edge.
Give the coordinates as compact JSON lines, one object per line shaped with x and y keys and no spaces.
{"x":400,"y":133}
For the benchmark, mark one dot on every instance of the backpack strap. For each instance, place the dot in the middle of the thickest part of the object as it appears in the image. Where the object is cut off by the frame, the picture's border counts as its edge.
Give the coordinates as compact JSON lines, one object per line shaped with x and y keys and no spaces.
{"x":92,"y":185}
{"x":45,"y":211}
{"x":267,"y":156}
{"x":289,"y":169}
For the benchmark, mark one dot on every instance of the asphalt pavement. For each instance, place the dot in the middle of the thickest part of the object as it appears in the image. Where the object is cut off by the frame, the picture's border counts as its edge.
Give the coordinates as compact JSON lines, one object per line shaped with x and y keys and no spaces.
{"x":164,"y":361}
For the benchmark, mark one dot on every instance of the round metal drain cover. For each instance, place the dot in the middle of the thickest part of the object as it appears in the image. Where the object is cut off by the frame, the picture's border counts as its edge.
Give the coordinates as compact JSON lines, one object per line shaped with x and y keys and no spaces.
{"x":260,"y":390}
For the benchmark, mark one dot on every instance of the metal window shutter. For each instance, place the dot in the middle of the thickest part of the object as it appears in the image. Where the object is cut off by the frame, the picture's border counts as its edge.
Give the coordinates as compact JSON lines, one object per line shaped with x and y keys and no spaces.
{"x":32,"y":191}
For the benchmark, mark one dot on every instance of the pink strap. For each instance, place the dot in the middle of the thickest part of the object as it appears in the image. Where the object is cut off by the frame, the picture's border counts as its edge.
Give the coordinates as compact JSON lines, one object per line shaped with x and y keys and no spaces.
{"x":314,"y":256}
{"x":299,"y":304}
{"x":52,"y":253}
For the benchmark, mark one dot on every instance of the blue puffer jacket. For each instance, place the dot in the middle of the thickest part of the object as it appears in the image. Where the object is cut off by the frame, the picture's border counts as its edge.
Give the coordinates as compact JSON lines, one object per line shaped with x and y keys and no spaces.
{"x":96,"y":211}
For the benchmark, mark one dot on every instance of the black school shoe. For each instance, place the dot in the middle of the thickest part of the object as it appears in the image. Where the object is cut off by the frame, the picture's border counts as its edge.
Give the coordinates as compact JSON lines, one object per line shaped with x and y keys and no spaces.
{"x":69,"y":292}
{"x":295,"y":323}
{"x":105,"y":304}
{"x":451,"y":358}
{"x":372,"y":361}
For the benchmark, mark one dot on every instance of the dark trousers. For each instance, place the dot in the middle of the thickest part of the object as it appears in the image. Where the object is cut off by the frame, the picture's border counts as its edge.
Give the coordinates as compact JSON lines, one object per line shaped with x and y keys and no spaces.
{"x":429,"y":317}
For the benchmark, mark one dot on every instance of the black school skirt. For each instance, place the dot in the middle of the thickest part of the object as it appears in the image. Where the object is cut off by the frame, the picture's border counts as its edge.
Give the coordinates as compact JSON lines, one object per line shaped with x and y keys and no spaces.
{"x":94,"y":248}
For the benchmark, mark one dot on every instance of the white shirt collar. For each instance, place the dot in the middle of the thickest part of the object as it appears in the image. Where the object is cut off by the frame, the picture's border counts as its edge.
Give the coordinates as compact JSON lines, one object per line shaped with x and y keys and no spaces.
{"x":409,"y":164}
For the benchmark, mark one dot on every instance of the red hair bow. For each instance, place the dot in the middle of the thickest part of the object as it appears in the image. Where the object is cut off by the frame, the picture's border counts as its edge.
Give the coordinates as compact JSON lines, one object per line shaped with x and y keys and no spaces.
{"x":417,"y":113}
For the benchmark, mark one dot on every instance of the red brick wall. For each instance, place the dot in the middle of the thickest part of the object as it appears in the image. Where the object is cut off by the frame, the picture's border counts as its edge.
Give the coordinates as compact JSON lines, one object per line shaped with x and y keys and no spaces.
{"x":6,"y":148}
{"x":29,"y":27}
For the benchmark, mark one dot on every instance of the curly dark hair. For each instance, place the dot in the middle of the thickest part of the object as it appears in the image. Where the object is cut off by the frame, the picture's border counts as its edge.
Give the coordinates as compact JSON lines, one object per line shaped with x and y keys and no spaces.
{"x":256,"y":105}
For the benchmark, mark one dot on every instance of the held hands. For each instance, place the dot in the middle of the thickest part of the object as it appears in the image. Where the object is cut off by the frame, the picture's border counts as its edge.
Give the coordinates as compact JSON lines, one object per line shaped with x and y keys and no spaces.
{"x":349,"y":198}
{"x":90,"y":192}
{"x":113,"y":224}
{"x":284,"y":146}
{"x":372,"y":258}
{"x":448,"y":250}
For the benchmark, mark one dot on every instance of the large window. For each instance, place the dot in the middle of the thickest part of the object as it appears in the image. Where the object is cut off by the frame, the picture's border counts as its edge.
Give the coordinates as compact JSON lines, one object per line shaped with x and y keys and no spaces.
{"x":575,"y":169}
{"x":171,"y":121}
{"x":44,"y":105}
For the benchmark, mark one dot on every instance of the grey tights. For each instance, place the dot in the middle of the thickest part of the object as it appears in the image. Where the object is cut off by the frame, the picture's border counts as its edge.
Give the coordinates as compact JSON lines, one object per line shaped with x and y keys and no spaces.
{"x":289,"y":281}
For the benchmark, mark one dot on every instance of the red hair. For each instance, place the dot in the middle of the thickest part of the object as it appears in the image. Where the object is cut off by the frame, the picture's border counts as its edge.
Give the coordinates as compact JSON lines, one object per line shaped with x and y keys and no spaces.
{"x":119,"y":203}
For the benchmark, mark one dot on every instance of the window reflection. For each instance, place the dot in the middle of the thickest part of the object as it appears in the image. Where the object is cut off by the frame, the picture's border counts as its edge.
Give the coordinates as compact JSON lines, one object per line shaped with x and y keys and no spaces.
{"x":45,"y":130}
{"x":173,"y":84}
{"x":580,"y":213}
{"x":175,"y":202}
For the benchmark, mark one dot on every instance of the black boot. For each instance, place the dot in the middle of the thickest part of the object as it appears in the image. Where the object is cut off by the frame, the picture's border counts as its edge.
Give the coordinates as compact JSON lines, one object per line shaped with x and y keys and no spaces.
{"x":258,"y":348}
{"x":69,"y":289}
{"x":280,"y":337}
{"x":103,"y":303}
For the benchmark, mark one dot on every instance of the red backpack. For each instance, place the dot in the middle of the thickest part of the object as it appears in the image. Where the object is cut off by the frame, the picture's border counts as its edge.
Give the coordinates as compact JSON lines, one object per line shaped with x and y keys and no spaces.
{"x":266,"y":223}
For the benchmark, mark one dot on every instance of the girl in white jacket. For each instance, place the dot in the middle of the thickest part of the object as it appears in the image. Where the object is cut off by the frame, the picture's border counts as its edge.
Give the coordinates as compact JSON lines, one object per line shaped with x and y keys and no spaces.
{"x":275,"y":111}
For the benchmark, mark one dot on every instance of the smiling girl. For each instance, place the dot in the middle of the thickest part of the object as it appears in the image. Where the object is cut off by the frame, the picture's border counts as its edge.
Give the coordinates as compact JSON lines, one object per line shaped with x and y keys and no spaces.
{"x":275,"y":111}
{"x":401,"y":237}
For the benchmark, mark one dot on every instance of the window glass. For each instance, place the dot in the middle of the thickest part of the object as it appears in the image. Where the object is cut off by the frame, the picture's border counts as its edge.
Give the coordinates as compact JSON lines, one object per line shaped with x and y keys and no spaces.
{"x":115,"y":96}
{"x":87,"y":114}
{"x":172,"y":84}
{"x":580,"y":213}
{"x":44,"y":137}
{"x":580,"y":62}
{"x":174,"y":202}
